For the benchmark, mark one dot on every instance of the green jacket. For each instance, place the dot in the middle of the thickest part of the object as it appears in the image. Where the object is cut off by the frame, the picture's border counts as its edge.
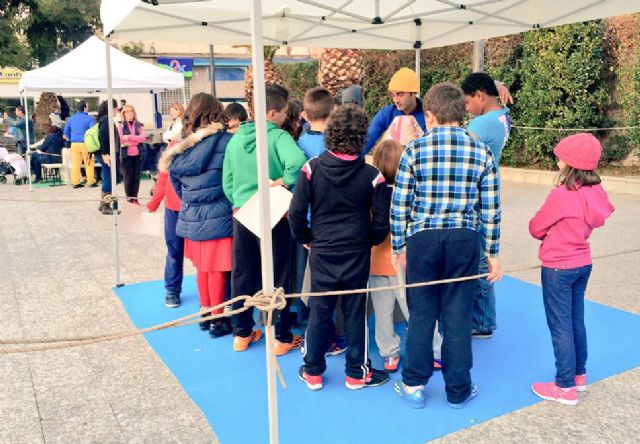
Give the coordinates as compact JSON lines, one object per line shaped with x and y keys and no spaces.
{"x":240,"y":169}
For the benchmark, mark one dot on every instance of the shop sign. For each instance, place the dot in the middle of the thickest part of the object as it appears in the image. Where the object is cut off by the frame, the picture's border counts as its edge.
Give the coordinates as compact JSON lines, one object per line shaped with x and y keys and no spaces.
{"x":182,"y":66}
{"x":10,"y":74}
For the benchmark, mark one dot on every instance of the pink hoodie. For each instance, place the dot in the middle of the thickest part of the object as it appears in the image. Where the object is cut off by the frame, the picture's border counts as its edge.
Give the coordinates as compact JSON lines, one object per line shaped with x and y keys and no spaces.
{"x":565,"y":222}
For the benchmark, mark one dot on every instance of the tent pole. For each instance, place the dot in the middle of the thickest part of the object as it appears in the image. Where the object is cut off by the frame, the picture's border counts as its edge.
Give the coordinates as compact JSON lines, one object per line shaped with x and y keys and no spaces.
{"x":417,"y":45}
{"x":260,"y":112}
{"x":113,"y":156}
{"x":478,"y":56}
{"x":28,"y":153}
{"x":212,"y":71}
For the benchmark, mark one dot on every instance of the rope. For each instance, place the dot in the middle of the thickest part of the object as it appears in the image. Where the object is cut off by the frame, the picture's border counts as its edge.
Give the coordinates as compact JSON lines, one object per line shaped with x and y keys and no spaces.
{"x":582,"y":130}
{"x":265,"y":303}
{"x":68,"y":200}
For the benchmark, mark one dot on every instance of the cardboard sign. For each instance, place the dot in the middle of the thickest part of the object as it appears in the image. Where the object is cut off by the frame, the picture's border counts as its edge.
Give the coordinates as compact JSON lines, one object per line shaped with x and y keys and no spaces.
{"x":249,"y":213}
{"x":138,"y":220}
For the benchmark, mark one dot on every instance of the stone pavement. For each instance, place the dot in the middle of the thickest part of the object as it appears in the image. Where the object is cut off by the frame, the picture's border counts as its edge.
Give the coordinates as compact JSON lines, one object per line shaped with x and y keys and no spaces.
{"x":56,"y":274}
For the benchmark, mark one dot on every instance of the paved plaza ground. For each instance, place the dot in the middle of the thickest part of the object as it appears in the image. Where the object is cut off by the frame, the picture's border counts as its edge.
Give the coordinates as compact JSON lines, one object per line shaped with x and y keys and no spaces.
{"x":56,"y":274}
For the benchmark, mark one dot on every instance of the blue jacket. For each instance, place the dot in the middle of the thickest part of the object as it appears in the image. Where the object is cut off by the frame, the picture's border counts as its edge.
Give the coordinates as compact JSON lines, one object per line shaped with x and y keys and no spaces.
{"x":196,"y":175}
{"x":77,"y":125}
{"x":20,"y":125}
{"x":53,"y":144}
{"x":383,"y":118}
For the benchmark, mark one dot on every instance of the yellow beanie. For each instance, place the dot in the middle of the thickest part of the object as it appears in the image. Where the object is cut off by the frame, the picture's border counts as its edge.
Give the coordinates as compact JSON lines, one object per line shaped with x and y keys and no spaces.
{"x":405,"y":80}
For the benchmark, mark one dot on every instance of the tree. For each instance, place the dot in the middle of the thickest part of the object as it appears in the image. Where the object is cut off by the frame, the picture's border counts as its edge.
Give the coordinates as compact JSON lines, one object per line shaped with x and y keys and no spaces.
{"x":13,"y":22}
{"x":57,"y":26}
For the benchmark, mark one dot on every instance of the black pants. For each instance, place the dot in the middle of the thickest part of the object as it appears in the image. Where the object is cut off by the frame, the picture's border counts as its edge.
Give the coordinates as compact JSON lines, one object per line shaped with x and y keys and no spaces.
{"x":246,"y":277}
{"x":338,"y":271}
{"x":434,"y":255}
{"x":131,"y":172}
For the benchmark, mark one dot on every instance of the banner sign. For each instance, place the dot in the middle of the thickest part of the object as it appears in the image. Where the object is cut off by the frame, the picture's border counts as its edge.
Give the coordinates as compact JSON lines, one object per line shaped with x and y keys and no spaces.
{"x":10,"y":75}
{"x":182,"y":66}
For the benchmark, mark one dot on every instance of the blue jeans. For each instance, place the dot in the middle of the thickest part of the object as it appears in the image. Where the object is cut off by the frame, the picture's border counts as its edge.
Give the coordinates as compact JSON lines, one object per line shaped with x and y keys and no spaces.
{"x":106,"y":173}
{"x":21,"y":146}
{"x":563,"y":296}
{"x":484,"y":301}
{"x":175,"y":253}
{"x":450,"y":253}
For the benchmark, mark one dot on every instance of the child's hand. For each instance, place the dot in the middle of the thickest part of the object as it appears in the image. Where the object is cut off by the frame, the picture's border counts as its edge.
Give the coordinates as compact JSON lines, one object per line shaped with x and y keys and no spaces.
{"x":307,"y":246}
{"x":399,"y":259}
{"x":277,"y":183}
{"x":495,"y":269}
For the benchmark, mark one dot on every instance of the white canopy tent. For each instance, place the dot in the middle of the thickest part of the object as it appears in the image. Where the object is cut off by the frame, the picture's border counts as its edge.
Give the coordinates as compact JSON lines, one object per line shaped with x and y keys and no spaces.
{"x":84,"y":70}
{"x":367,"y":24}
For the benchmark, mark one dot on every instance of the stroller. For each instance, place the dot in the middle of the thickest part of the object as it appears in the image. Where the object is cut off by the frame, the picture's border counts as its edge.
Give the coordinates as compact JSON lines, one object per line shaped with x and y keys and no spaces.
{"x":13,"y":164}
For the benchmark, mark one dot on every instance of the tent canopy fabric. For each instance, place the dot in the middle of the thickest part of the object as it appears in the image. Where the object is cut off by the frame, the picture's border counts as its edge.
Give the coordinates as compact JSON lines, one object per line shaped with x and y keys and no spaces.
{"x":367,"y":24}
{"x":84,"y":69}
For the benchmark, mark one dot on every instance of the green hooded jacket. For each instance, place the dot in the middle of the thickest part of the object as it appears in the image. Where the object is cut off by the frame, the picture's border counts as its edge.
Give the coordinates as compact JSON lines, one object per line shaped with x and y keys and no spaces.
{"x":240,"y":169}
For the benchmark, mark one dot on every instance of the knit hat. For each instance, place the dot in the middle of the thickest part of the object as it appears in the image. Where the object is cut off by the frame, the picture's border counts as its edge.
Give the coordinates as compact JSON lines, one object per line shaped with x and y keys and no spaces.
{"x":581,"y":151}
{"x":405,"y":80}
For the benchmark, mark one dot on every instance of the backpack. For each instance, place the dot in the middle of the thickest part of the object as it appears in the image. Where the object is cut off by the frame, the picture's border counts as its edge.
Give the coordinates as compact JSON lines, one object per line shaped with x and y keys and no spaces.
{"x":91,"y":139}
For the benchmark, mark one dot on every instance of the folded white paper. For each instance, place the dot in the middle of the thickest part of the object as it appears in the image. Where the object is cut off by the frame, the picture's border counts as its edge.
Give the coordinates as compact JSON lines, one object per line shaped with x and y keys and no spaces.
{"x":249,"y":214}
{"x":138,"y":220}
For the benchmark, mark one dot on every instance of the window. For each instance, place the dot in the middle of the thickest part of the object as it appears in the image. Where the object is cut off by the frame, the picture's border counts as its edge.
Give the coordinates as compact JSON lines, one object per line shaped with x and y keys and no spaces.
{"x":167,"y":98}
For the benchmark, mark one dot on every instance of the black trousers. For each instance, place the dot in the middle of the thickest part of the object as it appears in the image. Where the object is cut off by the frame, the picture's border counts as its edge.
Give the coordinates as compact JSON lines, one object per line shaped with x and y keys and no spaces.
{"x":338,"y":271}
{"x":246,"y":277}
{"x":131,"y":171}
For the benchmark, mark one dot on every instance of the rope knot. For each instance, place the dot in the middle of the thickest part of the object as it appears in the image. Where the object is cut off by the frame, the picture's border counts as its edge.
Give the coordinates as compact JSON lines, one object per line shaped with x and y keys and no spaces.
{"x":267,"y":303}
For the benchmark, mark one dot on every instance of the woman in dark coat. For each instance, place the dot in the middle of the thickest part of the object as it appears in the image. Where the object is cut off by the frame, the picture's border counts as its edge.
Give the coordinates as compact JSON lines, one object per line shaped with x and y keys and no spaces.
{"x":205,"y":220}
{"x":49,"y":152}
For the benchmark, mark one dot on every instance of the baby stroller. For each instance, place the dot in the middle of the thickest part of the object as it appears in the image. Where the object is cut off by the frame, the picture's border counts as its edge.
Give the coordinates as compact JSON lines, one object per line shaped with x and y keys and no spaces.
{"x":12,"y":164}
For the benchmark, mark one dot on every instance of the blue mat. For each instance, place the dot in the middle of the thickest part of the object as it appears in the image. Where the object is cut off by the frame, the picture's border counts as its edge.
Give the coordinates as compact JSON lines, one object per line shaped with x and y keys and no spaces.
{"x":230,"y":388}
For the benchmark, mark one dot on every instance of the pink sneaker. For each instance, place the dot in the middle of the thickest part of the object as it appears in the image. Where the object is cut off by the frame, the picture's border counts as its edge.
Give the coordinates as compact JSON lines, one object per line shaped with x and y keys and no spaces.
{"x":391,"y":363}
{"x":551,"y":392}
{"x":581,"y":383}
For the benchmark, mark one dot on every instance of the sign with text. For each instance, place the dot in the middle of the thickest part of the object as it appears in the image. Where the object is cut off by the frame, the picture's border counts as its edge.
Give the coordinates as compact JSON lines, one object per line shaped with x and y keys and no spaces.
{"x":181,"y":66}
{"x":10,"y":74}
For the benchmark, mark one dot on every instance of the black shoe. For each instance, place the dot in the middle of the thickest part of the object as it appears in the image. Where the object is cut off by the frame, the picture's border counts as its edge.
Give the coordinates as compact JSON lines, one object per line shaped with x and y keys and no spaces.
{"x":204,"y":325}
{"x":481,"y":334}
{"x":220,"y":327}
{"x":373,"y":379}
{"x":78,"y":186}
{"x":93,"y":185}
{"x":172,"y":300}
{"x":37,"y":181}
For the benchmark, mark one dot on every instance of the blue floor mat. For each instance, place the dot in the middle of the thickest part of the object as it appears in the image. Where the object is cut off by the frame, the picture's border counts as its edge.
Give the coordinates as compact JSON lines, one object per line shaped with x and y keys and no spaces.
{"x":230,"y":388}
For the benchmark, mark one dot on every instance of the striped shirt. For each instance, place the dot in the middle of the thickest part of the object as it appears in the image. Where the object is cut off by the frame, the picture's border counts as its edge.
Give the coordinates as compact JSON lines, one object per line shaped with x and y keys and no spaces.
{"x":446,"y":180}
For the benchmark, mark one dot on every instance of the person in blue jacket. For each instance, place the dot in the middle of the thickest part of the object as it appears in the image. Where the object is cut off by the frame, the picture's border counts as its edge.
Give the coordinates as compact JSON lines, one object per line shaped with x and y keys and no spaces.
{"x":19,"y":127}
{"x":49,"y":152}
{"x":74,"y":131}
{"x":205,"y":220}
{"x":404,"y":87}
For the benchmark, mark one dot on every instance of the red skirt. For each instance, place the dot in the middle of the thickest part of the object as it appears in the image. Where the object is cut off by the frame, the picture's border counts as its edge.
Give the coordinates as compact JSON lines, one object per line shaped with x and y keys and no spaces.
{"x":210,"y":255}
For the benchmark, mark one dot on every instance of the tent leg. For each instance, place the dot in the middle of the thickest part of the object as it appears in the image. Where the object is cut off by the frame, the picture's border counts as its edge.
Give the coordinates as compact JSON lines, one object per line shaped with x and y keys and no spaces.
{"x":418,"y":66}
{"x":257,"y":55}
{"x":28,"y":153}
{"x":113,"y":157}
{"x":478,"y":56}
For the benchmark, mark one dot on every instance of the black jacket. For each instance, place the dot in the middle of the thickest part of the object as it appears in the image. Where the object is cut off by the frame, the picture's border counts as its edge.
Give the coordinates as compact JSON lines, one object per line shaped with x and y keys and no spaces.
{"x":103,"y":135}
{"x":348,"y":202}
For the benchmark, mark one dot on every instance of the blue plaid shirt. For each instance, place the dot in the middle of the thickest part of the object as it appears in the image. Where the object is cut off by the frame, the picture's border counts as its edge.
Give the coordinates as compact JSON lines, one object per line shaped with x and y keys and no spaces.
{"x":445,"y":180}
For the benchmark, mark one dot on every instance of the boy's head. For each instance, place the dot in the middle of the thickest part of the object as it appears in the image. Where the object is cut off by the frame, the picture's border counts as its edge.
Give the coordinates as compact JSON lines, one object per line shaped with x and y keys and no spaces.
{"x":19,"y":111}
{"x":318,"y":104}
{"x":480,"y":92}
{"x":444,"y":105}
{"x":346,"y":130}
{"x":236,"y":114}
{"x":277,"y":102}
{"x":403,"y":87}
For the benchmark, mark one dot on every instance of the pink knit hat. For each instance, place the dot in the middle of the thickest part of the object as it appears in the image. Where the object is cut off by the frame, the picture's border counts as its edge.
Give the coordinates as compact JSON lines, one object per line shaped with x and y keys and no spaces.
{"x":581,"y":151}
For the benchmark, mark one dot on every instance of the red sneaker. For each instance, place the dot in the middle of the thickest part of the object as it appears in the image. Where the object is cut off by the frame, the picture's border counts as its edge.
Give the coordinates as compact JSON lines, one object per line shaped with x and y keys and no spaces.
{"x":373,"y":379}
{"x":313,"y":382}
{"x":437,"y":364}
{"x":391,"y":363}
{"x":551,"y":392}
{"x":581,"y":383}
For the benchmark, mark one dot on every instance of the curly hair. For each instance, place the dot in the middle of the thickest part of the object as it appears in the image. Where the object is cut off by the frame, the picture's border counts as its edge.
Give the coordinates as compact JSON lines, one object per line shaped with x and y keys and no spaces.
{"x":202,"y":110}
{"x":346,"y":130}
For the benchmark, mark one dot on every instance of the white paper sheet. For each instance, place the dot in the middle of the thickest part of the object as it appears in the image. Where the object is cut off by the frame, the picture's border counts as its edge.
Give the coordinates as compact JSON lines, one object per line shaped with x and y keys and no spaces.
{"x":249,"y":213}
{"x":137,"y":219}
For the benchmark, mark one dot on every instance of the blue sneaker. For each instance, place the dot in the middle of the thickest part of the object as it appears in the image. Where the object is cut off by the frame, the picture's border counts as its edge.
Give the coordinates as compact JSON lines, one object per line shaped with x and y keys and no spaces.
{"x":473,"y":394}
{"x":415,"y":399}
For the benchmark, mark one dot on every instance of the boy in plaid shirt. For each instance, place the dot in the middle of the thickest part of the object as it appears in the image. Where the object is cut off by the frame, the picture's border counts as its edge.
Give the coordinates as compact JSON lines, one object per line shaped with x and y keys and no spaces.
{"x":447,"y":193}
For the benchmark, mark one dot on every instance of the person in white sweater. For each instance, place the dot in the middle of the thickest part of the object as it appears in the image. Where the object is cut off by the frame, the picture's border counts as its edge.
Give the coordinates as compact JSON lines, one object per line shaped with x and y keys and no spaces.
{"x":173,"y":133}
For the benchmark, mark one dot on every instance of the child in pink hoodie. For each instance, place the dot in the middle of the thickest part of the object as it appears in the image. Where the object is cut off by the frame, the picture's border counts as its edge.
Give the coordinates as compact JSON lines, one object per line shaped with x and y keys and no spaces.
{"x":564,"y":223}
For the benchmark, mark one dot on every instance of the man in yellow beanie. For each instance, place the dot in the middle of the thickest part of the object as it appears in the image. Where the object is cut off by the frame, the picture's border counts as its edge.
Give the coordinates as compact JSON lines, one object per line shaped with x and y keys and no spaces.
{"x":403,"y":88}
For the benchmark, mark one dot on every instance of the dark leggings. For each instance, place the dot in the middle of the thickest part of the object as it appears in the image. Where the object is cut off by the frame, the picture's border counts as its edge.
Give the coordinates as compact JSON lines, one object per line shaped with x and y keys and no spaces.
{"x":131,"y":171}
